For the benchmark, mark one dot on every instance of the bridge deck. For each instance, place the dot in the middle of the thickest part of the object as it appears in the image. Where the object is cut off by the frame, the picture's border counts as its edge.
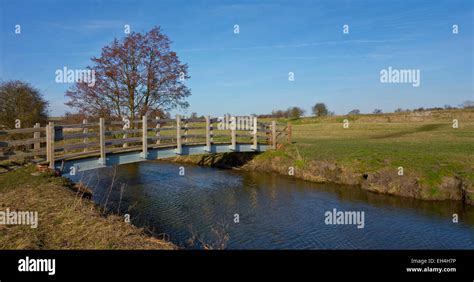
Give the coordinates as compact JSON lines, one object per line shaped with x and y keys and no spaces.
{"x":92,"y":161}
{"x":85,"y":146}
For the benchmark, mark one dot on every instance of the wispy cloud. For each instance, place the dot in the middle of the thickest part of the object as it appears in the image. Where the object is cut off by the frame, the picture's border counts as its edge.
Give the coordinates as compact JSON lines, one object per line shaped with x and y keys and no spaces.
{"x":345,"y":57}
{"x":293,"y":45}
{"x":91,"y":25}
{"x":54,"y":52}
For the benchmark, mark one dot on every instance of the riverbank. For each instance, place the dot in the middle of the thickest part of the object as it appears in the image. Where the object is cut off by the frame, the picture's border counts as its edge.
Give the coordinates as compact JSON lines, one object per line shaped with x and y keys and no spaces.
{"x":384,"y":181}
{"x":66,"y":219}
{"x":416,"y":155}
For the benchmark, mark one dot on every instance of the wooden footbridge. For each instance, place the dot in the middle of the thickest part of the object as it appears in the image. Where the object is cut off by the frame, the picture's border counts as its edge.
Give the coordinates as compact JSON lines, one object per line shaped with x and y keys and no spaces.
{"x":91,"y":145}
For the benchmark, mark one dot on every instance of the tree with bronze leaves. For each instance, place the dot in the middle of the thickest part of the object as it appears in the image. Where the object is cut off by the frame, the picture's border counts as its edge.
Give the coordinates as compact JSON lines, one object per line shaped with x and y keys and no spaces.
{"x":136,"y":75}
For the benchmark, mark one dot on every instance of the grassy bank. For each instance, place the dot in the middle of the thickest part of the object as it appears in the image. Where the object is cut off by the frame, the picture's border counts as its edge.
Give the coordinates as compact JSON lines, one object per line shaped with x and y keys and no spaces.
{"x":437,"y":159}
{"x":65,"y":219}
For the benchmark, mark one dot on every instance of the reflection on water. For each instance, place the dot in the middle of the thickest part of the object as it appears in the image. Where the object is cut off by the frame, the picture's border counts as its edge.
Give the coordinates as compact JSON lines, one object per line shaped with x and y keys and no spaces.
{"x":275,"y":212}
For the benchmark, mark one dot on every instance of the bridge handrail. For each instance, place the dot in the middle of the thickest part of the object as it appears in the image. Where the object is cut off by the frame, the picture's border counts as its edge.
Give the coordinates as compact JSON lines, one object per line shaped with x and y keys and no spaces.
{"x":95,"y":137}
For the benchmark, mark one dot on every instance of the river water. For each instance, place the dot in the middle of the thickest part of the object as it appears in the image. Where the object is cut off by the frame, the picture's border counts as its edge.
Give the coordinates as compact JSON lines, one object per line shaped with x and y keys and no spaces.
{"x":245,"y":210}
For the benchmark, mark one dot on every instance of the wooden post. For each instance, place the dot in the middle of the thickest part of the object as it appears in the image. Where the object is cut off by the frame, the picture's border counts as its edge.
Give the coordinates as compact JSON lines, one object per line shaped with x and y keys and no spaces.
{"x":48,"y":133}
{"x":85,"y":130}
{"x":289,"y":133}
{"x":145,"y":136}
{"x":233,"y":139}
{"x":126,"y":127}
{"x":50,"y":144}
{"x":211,"y":130}
{"x":274,"y":139}
{"x":255,"y":134}
{"x":178,"y":134}
{"x":185,"y":139}
{"x":102,"y":159}
{"x":37,"y":135}
{"x":208,"y":134}
{"x":157,"y":130}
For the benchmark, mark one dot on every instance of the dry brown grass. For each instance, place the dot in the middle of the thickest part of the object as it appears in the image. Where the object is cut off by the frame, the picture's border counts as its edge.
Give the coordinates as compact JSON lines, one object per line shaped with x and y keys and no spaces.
{"x":66,"y":221}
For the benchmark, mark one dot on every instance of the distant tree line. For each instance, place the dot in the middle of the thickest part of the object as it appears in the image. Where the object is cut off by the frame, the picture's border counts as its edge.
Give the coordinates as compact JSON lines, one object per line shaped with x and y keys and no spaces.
{"x":291,"y":113}
{"x":321,"y":110}
{"x":420,"y":109}
{"x":194,"y":115}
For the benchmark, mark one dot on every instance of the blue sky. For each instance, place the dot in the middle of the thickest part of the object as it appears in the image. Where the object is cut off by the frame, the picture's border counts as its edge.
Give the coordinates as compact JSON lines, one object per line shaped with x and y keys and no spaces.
{"x":248,"y":72}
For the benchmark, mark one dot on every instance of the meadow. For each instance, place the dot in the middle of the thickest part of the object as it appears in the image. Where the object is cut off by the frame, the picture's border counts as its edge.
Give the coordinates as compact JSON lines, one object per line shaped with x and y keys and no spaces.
{"x":423,"y":145}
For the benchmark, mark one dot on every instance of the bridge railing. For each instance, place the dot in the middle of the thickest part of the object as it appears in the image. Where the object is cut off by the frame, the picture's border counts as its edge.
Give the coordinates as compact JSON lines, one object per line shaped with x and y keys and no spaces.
{"x":65,"y":141}
{"x":23,"y":143}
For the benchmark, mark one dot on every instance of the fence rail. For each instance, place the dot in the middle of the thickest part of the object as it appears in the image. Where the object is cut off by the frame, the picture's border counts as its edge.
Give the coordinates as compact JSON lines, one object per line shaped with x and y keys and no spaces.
{"x":55,"y":142}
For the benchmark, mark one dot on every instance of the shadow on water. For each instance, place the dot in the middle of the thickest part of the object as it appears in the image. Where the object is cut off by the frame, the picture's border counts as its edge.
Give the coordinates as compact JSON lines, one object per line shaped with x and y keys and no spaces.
{"x":275,"y":212}
{"x":226,"y":160}
{"x":352,"y":194}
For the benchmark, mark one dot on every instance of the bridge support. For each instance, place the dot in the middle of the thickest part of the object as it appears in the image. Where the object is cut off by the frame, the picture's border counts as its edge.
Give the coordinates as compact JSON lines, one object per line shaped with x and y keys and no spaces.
{"x":157,"y":130}
{"x":208,"y":133}
{"x":85,"y":130}
{"x":144,"y":153}
{"x":254,"y":133}
{"x":37,"y":135}
{"x":178,"y":135}
{"x":233,"y":144}
{"x":103,"y":159}
{"x":50,"y":144}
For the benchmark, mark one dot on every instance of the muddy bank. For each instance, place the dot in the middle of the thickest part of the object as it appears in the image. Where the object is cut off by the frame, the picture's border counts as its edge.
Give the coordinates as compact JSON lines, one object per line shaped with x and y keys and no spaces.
{"x":384,"y":181}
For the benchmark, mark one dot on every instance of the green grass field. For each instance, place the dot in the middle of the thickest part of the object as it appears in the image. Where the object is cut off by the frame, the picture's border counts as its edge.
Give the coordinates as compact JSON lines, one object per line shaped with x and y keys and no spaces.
{"x":430,"y":147}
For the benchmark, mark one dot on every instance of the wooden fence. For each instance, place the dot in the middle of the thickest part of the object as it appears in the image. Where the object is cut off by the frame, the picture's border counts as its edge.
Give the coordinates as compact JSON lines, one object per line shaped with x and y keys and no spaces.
{"x":55,"y":142}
